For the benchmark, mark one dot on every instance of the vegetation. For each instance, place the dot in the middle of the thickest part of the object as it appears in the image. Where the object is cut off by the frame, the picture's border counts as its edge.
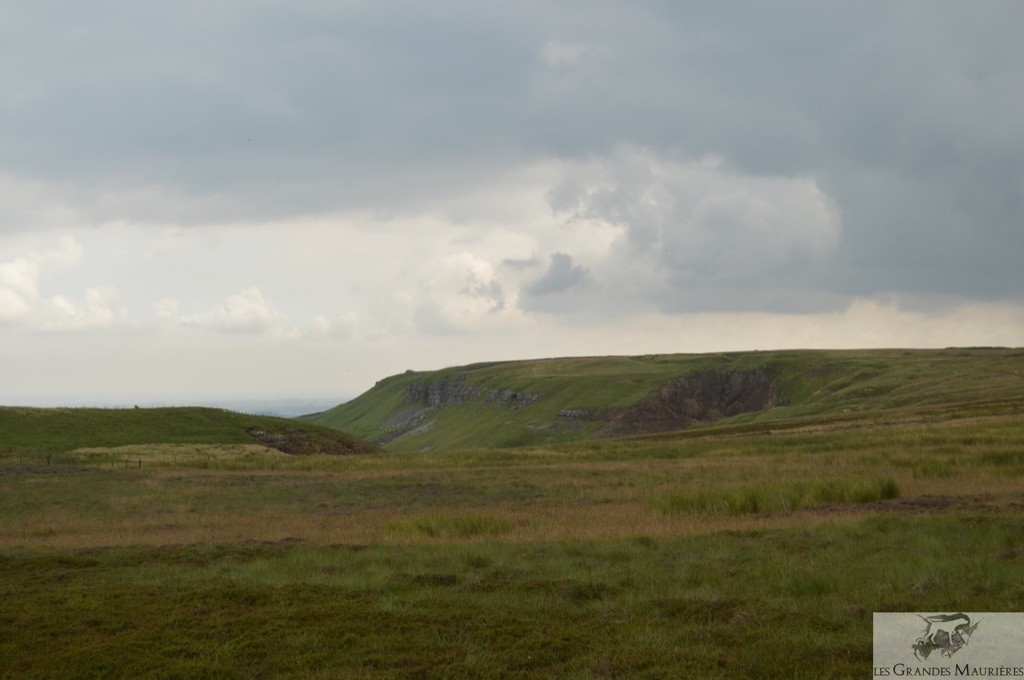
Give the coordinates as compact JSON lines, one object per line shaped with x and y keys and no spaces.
{"x":773,"y":603}
{"x":755,"y":547}
{"x":574,"y":399}
{"x":775,"y":496}
{"x":30,"y":431}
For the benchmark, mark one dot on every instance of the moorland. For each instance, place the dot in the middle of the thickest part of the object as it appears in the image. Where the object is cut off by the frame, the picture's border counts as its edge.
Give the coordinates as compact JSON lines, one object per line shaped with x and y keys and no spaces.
{"x":726,"y":515}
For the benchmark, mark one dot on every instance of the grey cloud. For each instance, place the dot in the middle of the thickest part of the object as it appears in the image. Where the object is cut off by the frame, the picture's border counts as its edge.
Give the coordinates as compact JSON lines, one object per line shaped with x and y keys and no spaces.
{"x":698,"y":236}
{"x":520,"y":264}
{"x":905,"y":114}
{"x":562,"y":288}
{"x":279,"y":107}
{"x":561,"y":275}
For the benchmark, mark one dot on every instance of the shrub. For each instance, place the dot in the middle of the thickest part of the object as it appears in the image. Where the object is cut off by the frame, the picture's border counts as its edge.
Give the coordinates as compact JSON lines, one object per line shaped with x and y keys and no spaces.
{"x":775,"y":497}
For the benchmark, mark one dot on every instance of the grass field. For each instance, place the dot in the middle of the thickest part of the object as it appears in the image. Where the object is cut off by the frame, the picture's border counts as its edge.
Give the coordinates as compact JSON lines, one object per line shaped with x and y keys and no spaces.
{"x":756,"y":547}
{"x":28,"y":432}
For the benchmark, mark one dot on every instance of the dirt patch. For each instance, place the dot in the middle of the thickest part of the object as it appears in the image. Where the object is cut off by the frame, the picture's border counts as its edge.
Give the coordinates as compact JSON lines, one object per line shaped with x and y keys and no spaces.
{"x":286,"y":542}
{"x":427,"y":579}
{"x":926,"y":504}
{"x":299,"y":441}
{"x":55,"y":469}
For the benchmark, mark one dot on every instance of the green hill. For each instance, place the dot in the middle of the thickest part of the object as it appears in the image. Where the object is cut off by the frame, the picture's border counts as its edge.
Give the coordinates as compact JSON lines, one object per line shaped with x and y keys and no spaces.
{"x":552,"y":400}
{"x":66,"y":429}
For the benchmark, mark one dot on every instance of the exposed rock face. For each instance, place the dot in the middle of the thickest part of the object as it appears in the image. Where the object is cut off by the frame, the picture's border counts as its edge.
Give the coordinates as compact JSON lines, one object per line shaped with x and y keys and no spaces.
{"x":441,"y":392}
{"x":453,"y":390}
{"x":701,"y":398}
{"x":427,"y":396}
{"x":513,"y":399}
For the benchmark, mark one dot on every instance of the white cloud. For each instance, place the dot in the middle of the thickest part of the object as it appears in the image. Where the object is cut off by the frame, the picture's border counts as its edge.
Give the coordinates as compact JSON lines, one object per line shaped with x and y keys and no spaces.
{"x":167,"y":308}
{"x":99,"y":308}
{"x":22,"y":304}
{"x":18,"y":291}
{"x":461,"y":293}
{"x":342,"y":327}
{"x":248,"y":312}
{"x":19,"y":279}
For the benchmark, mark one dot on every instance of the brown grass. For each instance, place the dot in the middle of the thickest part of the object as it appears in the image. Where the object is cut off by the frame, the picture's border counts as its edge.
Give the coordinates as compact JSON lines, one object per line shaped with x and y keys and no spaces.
{"x":181,"y":496}
{"x":550,"y":520}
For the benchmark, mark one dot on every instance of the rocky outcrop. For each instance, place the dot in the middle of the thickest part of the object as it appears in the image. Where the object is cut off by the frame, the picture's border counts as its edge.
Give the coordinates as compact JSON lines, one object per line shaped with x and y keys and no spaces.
{"x":454,"y":390}
{"x":699,"y":398}
{"x":441,"y":392}
{"x":427,"y":396}
{"x":512,"y":399}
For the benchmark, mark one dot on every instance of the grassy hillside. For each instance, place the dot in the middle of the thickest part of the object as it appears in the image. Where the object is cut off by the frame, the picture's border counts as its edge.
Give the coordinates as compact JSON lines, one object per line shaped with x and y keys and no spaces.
{"x":37,"y":430}
{"x":558,"y":400}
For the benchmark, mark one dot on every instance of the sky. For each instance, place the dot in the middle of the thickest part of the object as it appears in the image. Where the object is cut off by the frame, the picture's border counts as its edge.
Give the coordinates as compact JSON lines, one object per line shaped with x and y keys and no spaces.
{"x":294,"y":199}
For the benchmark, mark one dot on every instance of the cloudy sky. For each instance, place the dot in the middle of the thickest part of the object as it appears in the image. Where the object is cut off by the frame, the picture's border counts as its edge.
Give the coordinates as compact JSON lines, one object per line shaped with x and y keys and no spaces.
{"x":264,"y":198}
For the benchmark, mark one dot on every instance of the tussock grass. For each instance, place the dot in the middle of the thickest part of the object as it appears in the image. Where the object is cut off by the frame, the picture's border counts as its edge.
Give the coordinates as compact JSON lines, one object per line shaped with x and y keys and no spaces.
{"x":792,"y":603}
{"x":467,"y":525}
{"x":941,"y":468}
{"x":775,"y":497}
{"x":196,"y":456}
{"x":597,"y":490}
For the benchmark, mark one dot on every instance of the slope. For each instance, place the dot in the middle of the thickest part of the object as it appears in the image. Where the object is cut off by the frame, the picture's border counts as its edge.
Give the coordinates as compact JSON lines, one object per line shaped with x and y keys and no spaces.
{"x":60,"y":430}
{"x":552,"y":400}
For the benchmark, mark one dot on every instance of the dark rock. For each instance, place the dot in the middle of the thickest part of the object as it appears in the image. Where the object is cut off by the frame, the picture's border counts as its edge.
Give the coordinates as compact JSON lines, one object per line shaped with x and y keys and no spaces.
{"x":700,"y":398}
{"x":512,"y":399}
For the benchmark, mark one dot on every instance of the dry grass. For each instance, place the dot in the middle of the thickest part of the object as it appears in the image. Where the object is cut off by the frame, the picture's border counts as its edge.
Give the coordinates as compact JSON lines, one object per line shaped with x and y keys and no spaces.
{"x":175,"y":454}
{"x":548,"y":519}
{"x":187,"y":494}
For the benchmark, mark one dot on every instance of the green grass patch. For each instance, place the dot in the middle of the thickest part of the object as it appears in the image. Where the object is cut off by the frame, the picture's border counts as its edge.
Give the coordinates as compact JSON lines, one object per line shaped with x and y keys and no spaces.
{"x":771,"y":604}
{"x":34,"y":432}
{"x":941,"y":468}
{"x":774,"y":497}
{"x":467,"y":525}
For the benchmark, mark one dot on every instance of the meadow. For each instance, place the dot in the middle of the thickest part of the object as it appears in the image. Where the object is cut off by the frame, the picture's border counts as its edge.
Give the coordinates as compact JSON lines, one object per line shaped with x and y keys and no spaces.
{"x":749,"y":548}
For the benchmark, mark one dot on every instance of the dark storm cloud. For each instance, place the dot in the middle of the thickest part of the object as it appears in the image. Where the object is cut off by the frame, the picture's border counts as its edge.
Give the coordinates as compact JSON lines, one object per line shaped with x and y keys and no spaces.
{"x":906,"y":116}
{"x":274,"y":108}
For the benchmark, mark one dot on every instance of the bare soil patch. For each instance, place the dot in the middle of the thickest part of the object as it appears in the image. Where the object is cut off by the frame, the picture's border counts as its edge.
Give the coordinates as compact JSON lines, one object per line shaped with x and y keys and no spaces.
{"x":927,"y":504}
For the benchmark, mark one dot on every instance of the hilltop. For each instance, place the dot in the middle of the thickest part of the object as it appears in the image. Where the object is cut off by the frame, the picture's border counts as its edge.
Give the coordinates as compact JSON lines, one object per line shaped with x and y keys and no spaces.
{"x":60,"y":430}
{"x":554,"y":400}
